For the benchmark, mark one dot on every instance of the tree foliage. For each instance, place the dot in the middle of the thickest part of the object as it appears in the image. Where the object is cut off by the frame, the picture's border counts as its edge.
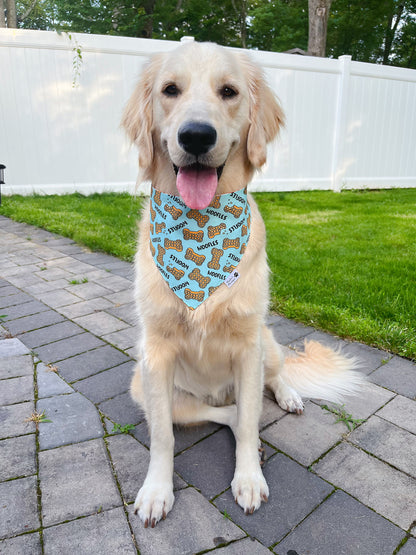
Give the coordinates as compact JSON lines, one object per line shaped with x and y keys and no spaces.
{"x":381,"y":31}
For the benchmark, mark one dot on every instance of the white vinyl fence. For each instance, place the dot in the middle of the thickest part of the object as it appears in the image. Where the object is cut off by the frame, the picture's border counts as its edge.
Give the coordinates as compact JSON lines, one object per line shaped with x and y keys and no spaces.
{"x":349,"y":124}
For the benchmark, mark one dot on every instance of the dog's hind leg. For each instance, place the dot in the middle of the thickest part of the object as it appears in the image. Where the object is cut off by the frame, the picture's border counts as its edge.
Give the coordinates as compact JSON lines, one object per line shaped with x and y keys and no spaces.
{"x":287,"y":398}
{"x":188,"y":409}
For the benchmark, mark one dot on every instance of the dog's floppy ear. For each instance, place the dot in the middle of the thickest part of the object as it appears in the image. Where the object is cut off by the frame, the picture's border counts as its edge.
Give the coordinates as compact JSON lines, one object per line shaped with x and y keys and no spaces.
{"x":137,"y":117}
{"x":266,"y":115}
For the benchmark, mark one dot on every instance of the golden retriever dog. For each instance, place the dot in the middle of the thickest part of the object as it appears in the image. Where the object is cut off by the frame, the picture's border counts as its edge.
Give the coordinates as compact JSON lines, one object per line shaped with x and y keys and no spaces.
{"x":201,"y":117}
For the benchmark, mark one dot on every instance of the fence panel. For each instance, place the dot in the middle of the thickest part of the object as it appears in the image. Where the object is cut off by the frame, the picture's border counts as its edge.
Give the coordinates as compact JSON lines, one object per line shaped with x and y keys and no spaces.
{"x":349,"y":124}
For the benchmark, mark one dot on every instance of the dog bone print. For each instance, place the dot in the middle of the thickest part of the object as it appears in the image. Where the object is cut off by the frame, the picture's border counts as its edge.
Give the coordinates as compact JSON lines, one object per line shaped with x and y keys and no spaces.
{"x":214,"y":263}
{"x":152,"y":249}
{"x":156,"y":198}
{"x":212,"y":290}
{"x":243,"y":230}
{"x":160,"y":227}
{"x":174,"y":212}
{"x":176,"y":272}
{"x":194,"y":295}
{"x":152,"y":214}
{"x":214,"y":230}
{"x":216,"y":202}
{"x":200,"y":219}
{"x":234,"y":210}
{"x":199,"y":278}
{"x":160,"y":254}
{"x":175,"y":245}
{"x":194,"y":235}
{"x":230,"y":243}
{"x":195,"y":257}
{"x":229,"y":269}
{"x":243,"y":248}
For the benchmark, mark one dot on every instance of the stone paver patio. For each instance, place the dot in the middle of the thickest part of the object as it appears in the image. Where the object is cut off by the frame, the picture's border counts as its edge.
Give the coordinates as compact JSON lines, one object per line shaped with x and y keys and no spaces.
{"x":67,"y":485}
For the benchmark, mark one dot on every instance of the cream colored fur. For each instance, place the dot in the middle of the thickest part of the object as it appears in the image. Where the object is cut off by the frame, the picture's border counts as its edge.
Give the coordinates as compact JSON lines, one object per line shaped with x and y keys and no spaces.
{"x":211,"y":363}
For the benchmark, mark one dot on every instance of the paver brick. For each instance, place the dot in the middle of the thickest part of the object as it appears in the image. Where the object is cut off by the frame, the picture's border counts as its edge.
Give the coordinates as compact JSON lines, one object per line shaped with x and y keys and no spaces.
{"x":22,"y":545}
{"x":13,"y":300}
{"x":409,"y":547}
{"x":25,"y":309}
{"x":14,"y":366}
{"x":58,"y":298}
{"x":76,"y":480}
{"x":18,"y":506}
{"x":91,"y":362}
{"x":84,"y":307}
{"x":12,"y":347}
{"x":388,"y":442}
{"x":305,"y":437}
{"x":193,"y":521}
{"x":399,"y":375}
{"x":122,"y":409}
{"x":105,"y":533}
{"x":123,"y":339}
{"x":16,"y":390}
{"x":17,"y":457}
{"x":50,"y":334}
{"x":101,"y":323}
{"x":343,"y":526}
{"x":34,"y":322}
{"x":49,"y":383}
{"x":126,"y":312}
{"x":73,"y":418}
{"x":88,"y":290}
{"x":400,"y":411}
{"x":379,"y":486}
{"x":294,"y":493}
{"x":209,"y":465}
{"x":66,"y":348}
{"x":285,"y":331}
{"x":247,"y":546}
{"x":13,"y":420}
{"x":106,"y":384}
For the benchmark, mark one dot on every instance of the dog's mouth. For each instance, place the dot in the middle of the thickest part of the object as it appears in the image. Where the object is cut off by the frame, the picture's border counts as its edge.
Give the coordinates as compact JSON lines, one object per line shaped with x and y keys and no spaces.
{"x":197,"y":184}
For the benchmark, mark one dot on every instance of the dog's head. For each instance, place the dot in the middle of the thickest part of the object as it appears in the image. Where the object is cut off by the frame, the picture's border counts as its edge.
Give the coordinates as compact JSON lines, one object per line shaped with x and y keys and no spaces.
{"x":201,"y":117}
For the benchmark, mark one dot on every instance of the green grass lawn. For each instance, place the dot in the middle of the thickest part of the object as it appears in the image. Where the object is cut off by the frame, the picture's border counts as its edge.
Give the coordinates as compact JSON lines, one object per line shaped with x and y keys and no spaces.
{"x":343,"y":262}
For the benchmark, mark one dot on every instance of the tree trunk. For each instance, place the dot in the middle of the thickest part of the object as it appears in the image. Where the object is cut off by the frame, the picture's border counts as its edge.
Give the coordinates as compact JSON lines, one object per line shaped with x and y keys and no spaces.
{"x":11,"y":13}
{"x":318,"y":22}
{"x":149,"y":8}
{"x":2,"y":14}
{"x":391,"y":31}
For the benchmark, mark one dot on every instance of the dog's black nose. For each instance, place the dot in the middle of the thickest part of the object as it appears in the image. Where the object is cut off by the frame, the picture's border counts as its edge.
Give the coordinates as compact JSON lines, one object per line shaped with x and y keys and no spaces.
{"x":197,"y":138}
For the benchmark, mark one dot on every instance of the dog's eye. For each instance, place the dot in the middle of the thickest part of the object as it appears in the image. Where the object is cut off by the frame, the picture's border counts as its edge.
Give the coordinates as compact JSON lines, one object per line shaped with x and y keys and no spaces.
{"x":171,"y":90}
{"x":228,"y":92}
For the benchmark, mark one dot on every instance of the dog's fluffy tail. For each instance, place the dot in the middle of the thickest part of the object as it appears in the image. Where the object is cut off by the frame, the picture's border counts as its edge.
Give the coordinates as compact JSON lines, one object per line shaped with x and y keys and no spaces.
{"x":322,"y":373}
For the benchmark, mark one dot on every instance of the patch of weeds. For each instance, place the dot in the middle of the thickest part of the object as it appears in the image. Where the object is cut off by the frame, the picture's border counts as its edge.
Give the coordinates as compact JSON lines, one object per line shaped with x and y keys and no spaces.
{"x":77,"y":281}
{"x":342,"y":416}
{"x":38,"y":418}
{"x":51,"y":368}
{"x":118,"y":428}
{"x":3,"y":316}
{"x":42,"y":268}
{"x":226,"y":515}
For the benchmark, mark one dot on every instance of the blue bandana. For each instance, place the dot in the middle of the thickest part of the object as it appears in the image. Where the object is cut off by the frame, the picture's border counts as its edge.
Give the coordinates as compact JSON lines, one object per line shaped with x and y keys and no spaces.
{"x":196,"y":251}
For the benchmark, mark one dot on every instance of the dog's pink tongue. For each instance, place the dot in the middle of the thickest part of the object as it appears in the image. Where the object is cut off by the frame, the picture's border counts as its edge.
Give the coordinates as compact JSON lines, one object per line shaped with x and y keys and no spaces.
{"x":197,"y":186}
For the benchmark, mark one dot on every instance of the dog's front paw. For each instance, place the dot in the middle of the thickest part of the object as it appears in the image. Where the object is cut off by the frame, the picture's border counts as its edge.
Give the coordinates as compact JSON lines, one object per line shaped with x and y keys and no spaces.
{"x":153,"y":502}
{"x":249,"y":490}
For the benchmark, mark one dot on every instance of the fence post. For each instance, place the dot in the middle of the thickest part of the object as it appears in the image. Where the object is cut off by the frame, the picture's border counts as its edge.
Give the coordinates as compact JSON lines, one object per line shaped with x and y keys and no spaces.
{"x":340,"y":124}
